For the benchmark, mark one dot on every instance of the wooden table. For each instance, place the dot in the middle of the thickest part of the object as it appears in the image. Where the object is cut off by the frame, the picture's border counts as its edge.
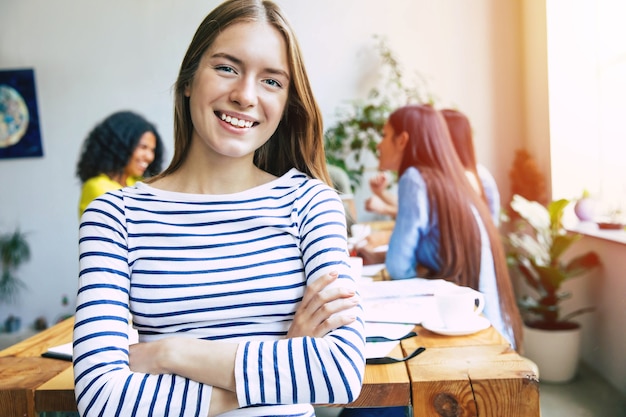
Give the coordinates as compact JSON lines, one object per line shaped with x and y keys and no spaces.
{"x":30,"y":384}
{"x":475,"y":375}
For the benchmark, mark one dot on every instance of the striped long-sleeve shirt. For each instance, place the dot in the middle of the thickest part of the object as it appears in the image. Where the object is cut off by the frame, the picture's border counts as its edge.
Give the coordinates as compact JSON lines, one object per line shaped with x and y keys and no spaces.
{"x":218,"y":267}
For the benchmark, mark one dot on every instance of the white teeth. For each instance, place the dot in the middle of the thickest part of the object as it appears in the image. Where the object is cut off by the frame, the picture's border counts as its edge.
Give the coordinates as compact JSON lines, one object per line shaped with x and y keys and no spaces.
{"x":236,"y":122}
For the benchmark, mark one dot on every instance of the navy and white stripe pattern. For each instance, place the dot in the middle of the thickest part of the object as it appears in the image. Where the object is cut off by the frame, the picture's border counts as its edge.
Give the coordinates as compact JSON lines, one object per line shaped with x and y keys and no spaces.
{"x":228,"y":267}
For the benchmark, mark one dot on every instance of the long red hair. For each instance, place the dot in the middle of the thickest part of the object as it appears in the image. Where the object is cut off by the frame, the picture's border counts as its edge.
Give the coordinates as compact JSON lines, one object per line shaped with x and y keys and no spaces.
{"x":452,"y":197}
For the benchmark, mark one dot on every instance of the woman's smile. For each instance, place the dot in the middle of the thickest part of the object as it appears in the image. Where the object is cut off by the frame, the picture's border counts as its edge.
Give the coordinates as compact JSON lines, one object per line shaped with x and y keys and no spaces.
{"x":236,"y":121}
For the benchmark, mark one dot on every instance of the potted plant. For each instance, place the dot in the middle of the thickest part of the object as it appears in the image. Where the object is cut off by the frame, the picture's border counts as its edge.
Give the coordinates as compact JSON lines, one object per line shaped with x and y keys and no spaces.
{"x":14,"y":250}
{"x":536,"y":246}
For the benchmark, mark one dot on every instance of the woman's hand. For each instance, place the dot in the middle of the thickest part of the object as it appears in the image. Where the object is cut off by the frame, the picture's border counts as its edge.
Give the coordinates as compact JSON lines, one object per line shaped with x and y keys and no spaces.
{"x":316,"y":315}
{"x":379,"y":184}
{"x":375,"y":204}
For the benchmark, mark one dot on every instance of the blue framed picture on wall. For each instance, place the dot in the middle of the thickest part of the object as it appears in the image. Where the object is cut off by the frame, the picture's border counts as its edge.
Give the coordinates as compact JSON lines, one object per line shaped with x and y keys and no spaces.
{"x":20,"y":134}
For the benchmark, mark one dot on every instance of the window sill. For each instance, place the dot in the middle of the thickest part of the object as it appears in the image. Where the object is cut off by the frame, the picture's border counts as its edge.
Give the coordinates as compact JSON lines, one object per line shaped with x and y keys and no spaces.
{"x":592,"y":229}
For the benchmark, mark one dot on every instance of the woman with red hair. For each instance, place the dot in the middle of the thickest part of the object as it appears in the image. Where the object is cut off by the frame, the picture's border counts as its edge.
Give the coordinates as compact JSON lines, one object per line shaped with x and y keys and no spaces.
{"x":443,"y":227}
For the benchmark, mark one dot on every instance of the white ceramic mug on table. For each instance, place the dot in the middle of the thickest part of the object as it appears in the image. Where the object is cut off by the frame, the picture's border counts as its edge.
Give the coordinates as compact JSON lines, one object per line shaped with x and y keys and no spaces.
{"x":459,"y":306}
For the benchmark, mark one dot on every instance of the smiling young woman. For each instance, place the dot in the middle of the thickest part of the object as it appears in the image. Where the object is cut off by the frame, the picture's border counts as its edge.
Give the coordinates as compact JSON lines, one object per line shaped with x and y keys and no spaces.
{"x":233,"y":262}
{"x":119,"y":151}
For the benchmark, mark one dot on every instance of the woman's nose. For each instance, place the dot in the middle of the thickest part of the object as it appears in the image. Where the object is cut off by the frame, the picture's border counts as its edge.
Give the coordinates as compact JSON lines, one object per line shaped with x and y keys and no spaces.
{"x":244,"y":93}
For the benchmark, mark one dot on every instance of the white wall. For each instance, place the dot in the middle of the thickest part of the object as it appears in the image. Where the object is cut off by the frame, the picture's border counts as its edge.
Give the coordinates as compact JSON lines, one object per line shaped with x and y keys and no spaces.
{"x":95,"y":57}
{"x":603,"y":338}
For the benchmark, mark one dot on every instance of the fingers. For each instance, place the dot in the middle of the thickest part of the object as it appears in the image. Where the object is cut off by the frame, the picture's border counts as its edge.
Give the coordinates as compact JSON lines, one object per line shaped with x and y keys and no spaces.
{"x":326,"y":301}
{"x":345,"y":300}
{"x":333,"y":323}
{"x":379,"y":183}
{"x":321,"y":306}
{"x":316,"y":287}
{"x":328,"y":317}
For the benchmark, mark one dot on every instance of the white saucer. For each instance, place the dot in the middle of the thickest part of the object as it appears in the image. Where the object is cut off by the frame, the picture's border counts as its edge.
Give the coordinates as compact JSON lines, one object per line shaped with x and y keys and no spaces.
{"x":436,"y":326}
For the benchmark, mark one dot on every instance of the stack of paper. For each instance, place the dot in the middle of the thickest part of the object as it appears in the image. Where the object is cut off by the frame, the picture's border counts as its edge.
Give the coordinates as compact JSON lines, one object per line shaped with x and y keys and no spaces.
{"x":408,"y":301}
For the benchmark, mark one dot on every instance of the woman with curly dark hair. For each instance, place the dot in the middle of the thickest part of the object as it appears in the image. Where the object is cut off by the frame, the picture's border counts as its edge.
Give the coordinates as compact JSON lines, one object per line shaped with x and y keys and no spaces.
{"x":122,"y":149}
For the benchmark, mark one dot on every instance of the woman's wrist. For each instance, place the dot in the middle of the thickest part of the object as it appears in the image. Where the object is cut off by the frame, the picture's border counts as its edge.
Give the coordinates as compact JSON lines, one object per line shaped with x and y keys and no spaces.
{"x":168,"y":355}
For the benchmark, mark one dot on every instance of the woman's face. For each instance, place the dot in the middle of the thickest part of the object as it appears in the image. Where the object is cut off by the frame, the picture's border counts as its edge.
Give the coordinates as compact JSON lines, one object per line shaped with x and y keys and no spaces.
{"x":390,"y":150}
{"x":142,"y":156}
{"x":240,"y":90}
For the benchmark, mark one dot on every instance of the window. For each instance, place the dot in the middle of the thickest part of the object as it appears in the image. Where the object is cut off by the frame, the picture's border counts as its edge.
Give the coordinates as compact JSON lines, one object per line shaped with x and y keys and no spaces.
{"x":587,"y":100}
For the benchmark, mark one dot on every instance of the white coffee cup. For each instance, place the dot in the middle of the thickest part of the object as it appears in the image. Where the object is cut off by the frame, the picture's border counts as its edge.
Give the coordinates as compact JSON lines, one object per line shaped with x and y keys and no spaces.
{"x":459,"y":306}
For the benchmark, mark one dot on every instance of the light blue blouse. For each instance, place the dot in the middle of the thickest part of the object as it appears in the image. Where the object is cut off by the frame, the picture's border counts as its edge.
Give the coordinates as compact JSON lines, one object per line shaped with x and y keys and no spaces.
{"x":415,"y":241}
{"x":491,"y":192}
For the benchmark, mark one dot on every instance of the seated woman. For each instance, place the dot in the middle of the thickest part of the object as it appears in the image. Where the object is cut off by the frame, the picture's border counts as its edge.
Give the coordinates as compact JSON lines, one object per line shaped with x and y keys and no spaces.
{"x":386,"y":203}
{"x":121,"y":150}
{"x":443,"y":228}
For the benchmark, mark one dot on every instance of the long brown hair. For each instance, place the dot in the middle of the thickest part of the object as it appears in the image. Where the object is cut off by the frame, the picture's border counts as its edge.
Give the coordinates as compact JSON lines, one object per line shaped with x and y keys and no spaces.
{"x":461,"y":135}
{"x":298,"y":141}
{"x":452,"y":197}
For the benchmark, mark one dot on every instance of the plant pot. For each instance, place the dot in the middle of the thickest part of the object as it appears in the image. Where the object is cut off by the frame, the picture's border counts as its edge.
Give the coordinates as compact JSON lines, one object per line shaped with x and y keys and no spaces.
{"x":12,"y":324}
{"x":585,"y":209}
{"x":555,"y":352}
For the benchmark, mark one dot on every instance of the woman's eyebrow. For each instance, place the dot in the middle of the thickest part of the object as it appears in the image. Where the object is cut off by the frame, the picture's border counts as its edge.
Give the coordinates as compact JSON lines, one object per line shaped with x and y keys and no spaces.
{"x":238,"y":61}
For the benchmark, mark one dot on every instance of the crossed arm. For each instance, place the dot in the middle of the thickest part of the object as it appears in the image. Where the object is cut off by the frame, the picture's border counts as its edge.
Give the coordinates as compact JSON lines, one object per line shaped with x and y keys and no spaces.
{"x":213,"y":363}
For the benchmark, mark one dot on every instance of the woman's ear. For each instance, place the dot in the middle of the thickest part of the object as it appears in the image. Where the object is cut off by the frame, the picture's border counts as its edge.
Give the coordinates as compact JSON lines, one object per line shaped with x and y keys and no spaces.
{"x":403,"y":140}
{"x":187,"y":91}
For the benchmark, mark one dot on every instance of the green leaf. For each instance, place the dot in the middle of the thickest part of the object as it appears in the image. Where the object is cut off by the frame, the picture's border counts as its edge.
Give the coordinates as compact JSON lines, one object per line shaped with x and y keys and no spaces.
{"x":560,"y":243}
{"x":556,"y":209}
{"x":14,"y":251}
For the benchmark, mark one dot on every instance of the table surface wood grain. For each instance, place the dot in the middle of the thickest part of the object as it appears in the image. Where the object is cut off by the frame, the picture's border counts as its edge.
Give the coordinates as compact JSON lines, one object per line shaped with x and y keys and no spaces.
{"x":473,"y":375}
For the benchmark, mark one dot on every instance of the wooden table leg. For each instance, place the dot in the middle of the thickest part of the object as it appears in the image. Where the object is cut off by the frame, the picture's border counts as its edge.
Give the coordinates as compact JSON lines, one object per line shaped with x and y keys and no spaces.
{"x":485,"y":381}
{"x":19,"y":377}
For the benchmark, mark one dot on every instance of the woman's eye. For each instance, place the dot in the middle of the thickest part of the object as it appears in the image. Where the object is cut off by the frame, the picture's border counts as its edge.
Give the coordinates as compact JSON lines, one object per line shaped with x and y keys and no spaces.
{"x":273,"y":83}
{"x":225,"y":68}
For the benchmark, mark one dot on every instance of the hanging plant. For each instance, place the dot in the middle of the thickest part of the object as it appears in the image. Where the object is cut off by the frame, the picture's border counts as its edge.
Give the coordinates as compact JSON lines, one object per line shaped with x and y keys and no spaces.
{"x":358,"y":127}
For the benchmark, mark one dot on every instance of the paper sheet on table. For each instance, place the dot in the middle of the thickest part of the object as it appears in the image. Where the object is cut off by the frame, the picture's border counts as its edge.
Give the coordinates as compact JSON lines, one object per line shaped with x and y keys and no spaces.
{"x":381,"y":248}
{"x":402,"y":288}
{"x":371,"y":270}
{"x":409,"y":310}
{"x":408,"y":301}
{"x":392,"y":331}
{"x":65,"y":350}
{"x":379,"y":349}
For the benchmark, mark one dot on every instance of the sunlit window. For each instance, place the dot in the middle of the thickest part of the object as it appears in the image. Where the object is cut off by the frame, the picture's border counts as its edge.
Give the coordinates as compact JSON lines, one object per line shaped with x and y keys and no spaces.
{"x":587,"y":93}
